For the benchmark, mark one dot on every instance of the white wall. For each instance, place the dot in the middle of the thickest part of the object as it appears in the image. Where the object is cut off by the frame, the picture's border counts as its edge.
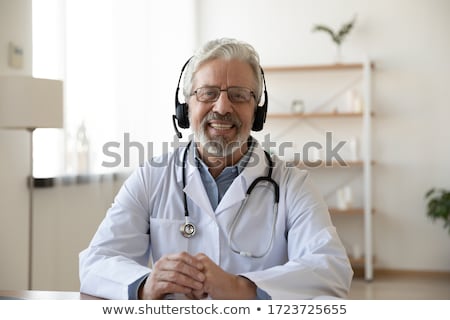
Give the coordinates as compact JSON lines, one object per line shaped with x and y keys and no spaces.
{"x":15,"y":26}
{"x":409,"y":42}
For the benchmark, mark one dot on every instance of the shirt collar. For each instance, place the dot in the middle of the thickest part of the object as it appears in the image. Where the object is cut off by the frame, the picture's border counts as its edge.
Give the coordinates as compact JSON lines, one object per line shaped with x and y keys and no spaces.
{"x":240,"y":166}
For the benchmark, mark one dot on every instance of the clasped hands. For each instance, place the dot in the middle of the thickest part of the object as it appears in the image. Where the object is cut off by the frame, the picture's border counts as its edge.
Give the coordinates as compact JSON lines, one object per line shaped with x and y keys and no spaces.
{"x":197,"y":277}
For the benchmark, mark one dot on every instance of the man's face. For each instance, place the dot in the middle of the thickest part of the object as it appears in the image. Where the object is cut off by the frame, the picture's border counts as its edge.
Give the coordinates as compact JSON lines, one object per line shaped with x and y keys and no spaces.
{"x":223,"y":125}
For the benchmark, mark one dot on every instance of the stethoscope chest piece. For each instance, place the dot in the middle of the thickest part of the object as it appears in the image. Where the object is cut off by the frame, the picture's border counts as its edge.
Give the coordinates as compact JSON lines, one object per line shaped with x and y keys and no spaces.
{"x":188,"y":229}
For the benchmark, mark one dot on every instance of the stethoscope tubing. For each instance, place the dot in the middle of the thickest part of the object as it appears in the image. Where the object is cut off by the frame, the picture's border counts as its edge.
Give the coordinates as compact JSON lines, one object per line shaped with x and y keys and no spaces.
{"x":188,"y":229}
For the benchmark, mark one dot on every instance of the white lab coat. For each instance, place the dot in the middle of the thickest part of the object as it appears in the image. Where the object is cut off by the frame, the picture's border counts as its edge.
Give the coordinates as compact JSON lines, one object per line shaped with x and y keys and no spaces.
{"x":306,"y":259}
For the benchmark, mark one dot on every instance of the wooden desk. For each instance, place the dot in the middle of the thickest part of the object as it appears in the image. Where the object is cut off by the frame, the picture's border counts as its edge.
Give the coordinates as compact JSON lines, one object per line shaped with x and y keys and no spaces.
{"x":44,"y":295}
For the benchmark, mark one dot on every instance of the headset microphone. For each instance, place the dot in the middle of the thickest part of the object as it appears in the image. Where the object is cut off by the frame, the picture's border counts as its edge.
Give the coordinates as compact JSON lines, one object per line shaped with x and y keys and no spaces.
{"x":179,"y":135}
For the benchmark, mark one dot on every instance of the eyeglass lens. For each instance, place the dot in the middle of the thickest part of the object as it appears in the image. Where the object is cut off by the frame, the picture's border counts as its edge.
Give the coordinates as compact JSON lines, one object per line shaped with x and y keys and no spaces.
{"x":235,"y":94}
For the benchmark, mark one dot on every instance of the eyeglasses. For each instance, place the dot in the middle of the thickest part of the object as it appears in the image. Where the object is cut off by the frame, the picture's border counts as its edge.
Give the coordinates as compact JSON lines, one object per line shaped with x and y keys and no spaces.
{"x":212,"y":94}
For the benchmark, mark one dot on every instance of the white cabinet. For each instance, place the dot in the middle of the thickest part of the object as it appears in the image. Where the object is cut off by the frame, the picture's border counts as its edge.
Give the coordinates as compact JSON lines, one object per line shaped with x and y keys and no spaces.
{"x":324,"y":113}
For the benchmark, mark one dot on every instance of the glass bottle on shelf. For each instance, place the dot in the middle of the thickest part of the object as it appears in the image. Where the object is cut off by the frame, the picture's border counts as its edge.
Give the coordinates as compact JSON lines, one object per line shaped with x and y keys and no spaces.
{"x":82,"y":150}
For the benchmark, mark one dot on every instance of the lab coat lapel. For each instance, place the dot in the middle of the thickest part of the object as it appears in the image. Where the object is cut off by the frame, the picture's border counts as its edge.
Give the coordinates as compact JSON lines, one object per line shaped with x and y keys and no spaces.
{"x":195,"y":190}
{"x":236,"y":192}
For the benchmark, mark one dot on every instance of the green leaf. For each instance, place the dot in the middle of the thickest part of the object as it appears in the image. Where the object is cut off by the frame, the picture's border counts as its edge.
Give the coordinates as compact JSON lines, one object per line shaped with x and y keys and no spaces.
{"x":339,"y":36}
{"x":429,"y":193}
{"x":438,"y":206}
{"x":327,"y":30}
{"x":346,"y":28}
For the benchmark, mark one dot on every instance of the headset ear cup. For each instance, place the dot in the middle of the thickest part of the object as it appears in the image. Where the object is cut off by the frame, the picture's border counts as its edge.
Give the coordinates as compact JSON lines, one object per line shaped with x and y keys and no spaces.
{"x":260,"y":115}
{"x":182,"y":115}
{"x":259,"y":119}
{"x":181,"y":109}
{"x":261,"y":111}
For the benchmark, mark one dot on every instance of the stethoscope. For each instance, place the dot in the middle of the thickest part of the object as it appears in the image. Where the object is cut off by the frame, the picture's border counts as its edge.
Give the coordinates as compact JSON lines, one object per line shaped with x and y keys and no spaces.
{"x":188,"y":229}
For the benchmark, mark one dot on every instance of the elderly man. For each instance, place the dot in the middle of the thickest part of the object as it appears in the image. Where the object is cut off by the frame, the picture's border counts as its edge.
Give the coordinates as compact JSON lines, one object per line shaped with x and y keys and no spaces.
{"x":221,"y":219}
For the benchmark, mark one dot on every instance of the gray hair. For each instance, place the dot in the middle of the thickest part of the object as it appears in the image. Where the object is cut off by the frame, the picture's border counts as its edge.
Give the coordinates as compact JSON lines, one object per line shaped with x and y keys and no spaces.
{"x":228,"y":49}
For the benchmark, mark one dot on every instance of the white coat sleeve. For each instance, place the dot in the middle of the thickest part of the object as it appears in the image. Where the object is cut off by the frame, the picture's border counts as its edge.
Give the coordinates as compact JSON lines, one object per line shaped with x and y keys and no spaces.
{"x":318,"y":266}
{"x":119,"y":251}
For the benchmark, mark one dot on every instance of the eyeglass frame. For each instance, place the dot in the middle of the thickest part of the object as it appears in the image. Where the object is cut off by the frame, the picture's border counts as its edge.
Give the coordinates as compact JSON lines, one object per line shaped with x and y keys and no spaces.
{"x":219,"y":90}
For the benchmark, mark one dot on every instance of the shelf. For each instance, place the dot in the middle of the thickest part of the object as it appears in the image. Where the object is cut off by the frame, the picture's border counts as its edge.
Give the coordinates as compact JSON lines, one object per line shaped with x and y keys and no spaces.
{"x":358,"y":266}
{"x":350,"y":211}
{"x":317,"y":67}
{"x":323,"y":164}
{"x":315,"y":115}
{"x":356,"y":262}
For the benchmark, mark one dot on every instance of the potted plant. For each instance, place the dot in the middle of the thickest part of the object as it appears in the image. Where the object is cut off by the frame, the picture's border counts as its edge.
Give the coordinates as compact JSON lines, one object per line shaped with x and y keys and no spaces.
{"x":337,"y":36}
{"x":438,"y":206}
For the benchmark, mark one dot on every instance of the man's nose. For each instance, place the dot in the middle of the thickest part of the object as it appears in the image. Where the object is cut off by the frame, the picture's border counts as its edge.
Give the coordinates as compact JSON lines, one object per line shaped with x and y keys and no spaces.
{"x":223,"y":105}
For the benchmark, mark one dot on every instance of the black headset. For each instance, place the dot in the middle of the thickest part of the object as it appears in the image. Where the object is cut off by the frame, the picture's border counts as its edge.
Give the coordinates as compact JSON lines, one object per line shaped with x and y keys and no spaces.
{"x":181,"y":116}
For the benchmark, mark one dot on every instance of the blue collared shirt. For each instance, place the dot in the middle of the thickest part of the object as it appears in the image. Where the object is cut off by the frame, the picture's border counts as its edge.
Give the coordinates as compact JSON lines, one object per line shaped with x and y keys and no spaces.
{"x":216,"y":188}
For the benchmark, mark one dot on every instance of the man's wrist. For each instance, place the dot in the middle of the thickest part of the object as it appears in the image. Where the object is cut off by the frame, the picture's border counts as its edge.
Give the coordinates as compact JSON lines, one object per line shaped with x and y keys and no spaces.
{"x":140,"y":292}
{"x":259,"y":293}
{"x":246,"y":287}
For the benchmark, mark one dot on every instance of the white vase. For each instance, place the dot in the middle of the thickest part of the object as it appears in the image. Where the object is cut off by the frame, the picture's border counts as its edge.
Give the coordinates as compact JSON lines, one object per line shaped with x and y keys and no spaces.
{"x":338,"y":56}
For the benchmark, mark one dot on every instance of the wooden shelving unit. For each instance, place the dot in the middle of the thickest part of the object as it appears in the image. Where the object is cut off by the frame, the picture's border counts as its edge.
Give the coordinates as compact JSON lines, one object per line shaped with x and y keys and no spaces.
{"x":365,"y":165}
{"x":357,"y":262}
{"x":324,"y":164}
{"x":350,"y":211}
{"x":318,"y":67}
{"x":334,"y":164}
{"x":358,"y":265}
{"x":315,"y":115}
